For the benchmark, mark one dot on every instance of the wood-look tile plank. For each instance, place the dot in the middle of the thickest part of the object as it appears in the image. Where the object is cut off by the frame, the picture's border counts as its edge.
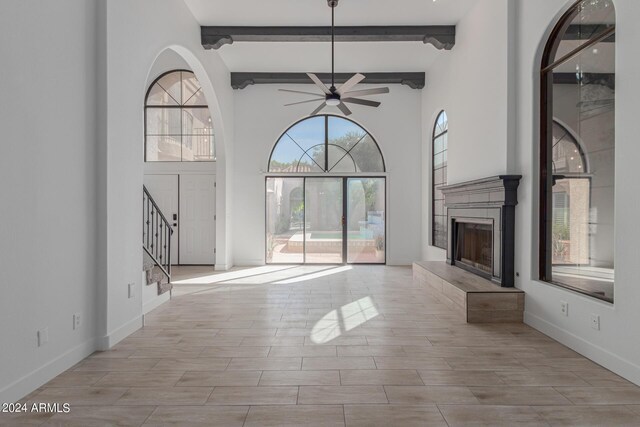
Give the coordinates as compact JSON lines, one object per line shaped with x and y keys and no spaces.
{"x":282,"y":378}
{"x":204,"y":416}
{"x":265,"y":364}
{"x":332,"y":363}
{"x":165,"y":396}
{"x":467,"y":378}
{"x":380,"y":377}
{"x":601,"y":395}
{"x":491,"y":416}
{"x":393,"y":415}
{"x":219,"y":378}
{"x":514,"y":395}
{"x":253,"y":396}
{"x":304,"y":351}
{"x":87,"y":416}
{"x":330,"y":395}
{"x":140,"y":379}
{"x":295,"y":416}
{"x":586,"y":416}
{"x":428,"y":395}
{"x":79,"y":396}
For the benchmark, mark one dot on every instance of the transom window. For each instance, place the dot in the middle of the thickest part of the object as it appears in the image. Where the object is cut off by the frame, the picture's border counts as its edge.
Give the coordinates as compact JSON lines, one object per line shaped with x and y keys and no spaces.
{"x":326,"y":144}
{"x":438,"y":179}
{"x":178,"y":125}
{"x":577,"y":152}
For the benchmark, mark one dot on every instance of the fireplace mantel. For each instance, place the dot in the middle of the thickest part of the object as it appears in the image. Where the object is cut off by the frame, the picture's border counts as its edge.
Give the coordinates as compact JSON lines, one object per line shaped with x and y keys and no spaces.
{"x":490,"y":200}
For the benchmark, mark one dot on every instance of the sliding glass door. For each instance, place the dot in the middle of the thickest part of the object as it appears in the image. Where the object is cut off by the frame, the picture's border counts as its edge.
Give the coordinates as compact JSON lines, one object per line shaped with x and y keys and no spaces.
{"x":325,"y":220}
{"x":366,"y":242}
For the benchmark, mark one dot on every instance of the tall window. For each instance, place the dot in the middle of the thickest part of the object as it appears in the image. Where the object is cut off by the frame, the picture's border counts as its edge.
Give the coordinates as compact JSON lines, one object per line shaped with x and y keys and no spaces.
{"x":438,"y":179}
{"x":577,"y":175}
{"x":326,"y":195}
{"x":177,"y":120}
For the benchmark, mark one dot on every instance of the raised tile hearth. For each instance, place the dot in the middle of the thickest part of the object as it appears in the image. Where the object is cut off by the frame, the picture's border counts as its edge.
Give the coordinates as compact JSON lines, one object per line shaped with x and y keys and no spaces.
{"x":475,"y":299}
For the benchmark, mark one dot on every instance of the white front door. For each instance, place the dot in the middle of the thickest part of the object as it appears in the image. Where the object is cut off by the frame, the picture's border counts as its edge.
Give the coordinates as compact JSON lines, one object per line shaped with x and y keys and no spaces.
{"x":197,"y":219}
{"x":164,"y":190}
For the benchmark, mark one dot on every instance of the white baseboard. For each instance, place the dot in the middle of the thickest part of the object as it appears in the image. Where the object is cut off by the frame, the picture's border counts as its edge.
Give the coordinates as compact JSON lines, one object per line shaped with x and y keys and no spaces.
{"x":221,"y":267}
{"x":155,"y":302}
{"x":601,"y":356}
{"x":28,"y":383}
{"x":114,"y":337}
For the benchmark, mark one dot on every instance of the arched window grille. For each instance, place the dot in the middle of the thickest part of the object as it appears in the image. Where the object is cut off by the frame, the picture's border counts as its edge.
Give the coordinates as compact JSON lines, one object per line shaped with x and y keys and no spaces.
{"x":178,"y":125}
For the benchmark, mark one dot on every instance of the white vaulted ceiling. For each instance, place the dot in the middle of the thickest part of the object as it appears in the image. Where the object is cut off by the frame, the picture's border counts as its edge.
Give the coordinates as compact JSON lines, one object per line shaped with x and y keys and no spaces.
{"x":316,"y":56}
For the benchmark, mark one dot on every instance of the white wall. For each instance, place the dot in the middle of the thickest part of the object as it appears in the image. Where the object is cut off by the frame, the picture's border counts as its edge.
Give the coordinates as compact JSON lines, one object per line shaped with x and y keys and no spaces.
{"x":617,"y":345}
{"x":48,"y":226}
{"x":157,"y":25}
{"x":261,"y":118}
{"x":471,"y":84}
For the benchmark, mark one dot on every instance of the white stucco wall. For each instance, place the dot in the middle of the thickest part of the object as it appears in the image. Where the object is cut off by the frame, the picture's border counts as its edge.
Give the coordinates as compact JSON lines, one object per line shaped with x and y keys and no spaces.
{"x":471,"y":84}
{"x":48,"y":226}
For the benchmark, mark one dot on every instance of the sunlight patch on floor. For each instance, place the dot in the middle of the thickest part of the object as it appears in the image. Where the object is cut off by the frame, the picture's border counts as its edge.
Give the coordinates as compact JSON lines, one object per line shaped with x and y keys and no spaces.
{"x":344,"y":319}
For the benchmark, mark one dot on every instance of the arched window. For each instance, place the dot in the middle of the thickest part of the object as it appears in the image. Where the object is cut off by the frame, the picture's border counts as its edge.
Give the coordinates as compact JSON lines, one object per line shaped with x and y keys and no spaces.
{"x":577,"y":151}
{"x":328,"y":144}
{"x":438,"y":179}
{"x":177,"y":120}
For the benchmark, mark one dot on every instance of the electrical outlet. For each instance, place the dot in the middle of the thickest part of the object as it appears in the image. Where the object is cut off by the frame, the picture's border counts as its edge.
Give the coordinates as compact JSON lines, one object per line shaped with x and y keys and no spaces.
{"x":595,"y":322}
{"x":43,"y":336}
{"x":132,"y":290}
{"x":77,"y":321}
{"x":564,"y":307}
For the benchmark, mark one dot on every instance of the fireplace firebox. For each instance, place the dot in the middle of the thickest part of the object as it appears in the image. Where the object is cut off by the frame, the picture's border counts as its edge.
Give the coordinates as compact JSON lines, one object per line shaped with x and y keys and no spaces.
{"x":481,"y":232}
{"x":474,"y":247}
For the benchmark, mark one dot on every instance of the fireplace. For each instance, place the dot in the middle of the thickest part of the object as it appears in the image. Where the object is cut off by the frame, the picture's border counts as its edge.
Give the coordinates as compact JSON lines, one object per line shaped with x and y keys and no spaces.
{"x":481,"y":232}
{"x":473,"y":249}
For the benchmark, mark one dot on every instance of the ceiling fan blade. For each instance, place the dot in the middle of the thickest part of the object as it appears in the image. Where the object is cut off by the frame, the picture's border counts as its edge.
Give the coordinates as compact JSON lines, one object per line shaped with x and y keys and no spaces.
{"x":320,"y":108}
{"x":366,"y":92}
{"x":361,"y":102}
{"x":299,"y":91}
{"x":319,"y":83}
{"x":301,"y":102}
{"x":345,"y":110}
{"x":354,"y":80}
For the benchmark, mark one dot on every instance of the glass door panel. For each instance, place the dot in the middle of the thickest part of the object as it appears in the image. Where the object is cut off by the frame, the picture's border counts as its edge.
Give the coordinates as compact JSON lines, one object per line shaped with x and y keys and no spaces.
{"x":323,"y":219}
{"x":285,"y":220}
{"x":366,"y":220}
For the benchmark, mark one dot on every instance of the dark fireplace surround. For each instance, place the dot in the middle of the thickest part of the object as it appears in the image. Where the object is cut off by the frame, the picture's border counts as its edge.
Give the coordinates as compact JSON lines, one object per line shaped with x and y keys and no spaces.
{"x":481,"y":232}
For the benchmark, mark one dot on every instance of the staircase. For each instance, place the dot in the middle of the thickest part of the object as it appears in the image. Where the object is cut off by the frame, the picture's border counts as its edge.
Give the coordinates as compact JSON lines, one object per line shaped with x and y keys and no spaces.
{"x":156,"y":244}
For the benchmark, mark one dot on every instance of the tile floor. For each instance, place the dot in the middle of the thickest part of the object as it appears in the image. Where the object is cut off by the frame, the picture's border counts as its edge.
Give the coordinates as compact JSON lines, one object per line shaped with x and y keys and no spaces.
{"x":355,"y":346}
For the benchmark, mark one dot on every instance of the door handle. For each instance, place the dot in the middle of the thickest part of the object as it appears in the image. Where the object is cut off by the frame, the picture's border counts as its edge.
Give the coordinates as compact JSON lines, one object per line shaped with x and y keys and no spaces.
{"x":344,"y":221}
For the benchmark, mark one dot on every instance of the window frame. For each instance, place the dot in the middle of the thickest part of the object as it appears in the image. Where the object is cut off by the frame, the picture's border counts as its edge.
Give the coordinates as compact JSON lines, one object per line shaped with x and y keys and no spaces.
{"x":180,"y":107}
{"x":326,"y":150}
{"x":434,"y":137}
{"x":546,"y":168}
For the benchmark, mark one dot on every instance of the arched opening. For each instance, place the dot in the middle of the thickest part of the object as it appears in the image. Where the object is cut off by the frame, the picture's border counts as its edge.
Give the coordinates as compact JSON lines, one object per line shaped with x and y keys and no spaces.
{"x":577,"y":168}
{"x":180,"y":161}
{"x":326,"y":195}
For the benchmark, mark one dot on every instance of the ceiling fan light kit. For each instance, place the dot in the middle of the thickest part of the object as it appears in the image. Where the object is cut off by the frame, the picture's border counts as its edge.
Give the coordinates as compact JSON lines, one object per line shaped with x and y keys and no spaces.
{"x":337,"y":97}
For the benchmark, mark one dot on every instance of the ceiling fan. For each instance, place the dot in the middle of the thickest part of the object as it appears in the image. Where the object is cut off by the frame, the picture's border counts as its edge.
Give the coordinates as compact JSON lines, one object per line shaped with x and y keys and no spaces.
{"x":338,"y":97}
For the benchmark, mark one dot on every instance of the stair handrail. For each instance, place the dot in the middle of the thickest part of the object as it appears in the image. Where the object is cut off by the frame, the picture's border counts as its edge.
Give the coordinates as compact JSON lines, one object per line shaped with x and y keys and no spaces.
{"x":153,"y":220}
